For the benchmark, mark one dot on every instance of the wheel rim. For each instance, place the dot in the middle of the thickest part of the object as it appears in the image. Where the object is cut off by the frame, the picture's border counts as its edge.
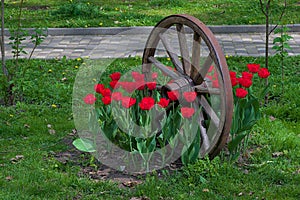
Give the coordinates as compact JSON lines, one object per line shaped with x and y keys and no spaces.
{"x":193,"y":60}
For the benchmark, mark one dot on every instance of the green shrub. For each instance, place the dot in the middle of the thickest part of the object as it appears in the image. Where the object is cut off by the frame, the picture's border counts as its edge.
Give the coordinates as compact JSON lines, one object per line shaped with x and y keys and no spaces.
{"x":78,"y":9}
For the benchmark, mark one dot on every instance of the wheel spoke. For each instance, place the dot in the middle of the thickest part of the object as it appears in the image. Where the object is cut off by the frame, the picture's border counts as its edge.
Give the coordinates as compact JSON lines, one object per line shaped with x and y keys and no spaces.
{"x":203,"y":89}
{"x":172,"y":54}
{"x":199,"y":78}
{"x":183,"y":49}
{"x":205,"y":144}
{"x":195,"y":55}
{"x":209,"y":110}
{"x":163,"y":68}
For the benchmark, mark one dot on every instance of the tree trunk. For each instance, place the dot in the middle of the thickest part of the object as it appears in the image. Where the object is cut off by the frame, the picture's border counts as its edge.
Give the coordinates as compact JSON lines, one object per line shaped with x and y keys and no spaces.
{"x":4,"y":69}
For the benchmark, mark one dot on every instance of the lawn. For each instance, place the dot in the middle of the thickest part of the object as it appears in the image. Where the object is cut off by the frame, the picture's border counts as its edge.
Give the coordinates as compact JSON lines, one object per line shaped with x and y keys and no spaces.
{"x":37,"y":160}
{"x":99,"y":13}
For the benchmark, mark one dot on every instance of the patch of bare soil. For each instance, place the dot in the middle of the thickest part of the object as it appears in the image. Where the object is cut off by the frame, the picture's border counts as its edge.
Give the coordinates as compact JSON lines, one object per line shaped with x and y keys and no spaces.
{"x":100,"y":172}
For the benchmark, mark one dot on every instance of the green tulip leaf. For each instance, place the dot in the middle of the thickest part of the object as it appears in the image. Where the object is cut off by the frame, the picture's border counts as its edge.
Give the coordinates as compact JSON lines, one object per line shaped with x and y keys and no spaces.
{"x":85,"y":145}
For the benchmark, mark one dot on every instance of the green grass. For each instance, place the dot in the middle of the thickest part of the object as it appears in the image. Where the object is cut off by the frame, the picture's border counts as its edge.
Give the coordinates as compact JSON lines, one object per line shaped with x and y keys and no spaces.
{"x":24,"y":130}
{"x":95,"y":13}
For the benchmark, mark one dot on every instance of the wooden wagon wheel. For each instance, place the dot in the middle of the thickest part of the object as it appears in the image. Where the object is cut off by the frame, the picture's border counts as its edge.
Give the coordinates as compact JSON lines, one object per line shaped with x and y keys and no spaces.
{"x":194,"y":54}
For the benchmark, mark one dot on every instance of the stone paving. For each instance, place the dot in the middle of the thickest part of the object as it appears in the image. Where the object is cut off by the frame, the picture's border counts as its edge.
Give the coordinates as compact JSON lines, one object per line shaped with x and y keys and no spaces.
{"x":124,"y":45}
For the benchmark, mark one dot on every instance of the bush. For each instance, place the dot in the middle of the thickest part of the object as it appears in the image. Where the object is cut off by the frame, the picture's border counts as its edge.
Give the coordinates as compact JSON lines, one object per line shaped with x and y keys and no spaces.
{"x":78,"y":9}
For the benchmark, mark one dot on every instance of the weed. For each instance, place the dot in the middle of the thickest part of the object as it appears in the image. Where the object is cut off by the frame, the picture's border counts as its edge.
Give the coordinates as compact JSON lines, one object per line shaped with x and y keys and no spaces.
{"x":78,"y":9}
{"x":281,"y":47}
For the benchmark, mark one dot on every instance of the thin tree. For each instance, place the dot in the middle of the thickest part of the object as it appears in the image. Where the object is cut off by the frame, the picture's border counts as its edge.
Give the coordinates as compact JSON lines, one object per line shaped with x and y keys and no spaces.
{"x":4,"y":69}
{"x":266,"y":8}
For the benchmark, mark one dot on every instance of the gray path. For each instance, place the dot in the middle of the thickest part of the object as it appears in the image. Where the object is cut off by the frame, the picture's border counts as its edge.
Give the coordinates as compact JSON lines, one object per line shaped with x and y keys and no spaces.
{"x":132,"y":43}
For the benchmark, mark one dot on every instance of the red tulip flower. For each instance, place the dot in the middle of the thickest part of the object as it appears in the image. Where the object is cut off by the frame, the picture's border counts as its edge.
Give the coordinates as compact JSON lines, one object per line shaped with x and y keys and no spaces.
{"x":233,"y":78}
{"x":116,"y":96}
{"x":151,"y":85}
{"x":113,"y":84}
{"x":173,"y":95}
{"x":127,"y":102}
{"x":147,"y":103}
{"x":190,"y":96}
{"x":154,"y":75}
{"x":247,"y":75}
{"x":98,"y":88}
{"x":241,"y":92}
{"x":106,"y":100}
{"x":163,"y":102}
{"x":115,"y":76}
{"x":187,"y":112}
{"x":129,"y":86}
{"x":263,"y":73}
{"x":245,"y":82}
{"x":89,"y":99}
{"x":232,"y":74}
{"x":138,"y":76}
{"x":253,"y":68}
{"x":106,"y":92}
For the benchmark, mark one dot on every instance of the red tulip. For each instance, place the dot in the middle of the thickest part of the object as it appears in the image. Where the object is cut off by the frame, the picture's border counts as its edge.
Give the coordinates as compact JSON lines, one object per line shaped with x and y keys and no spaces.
{"x":245,"y":82}
{"x":247,"y":75}
{"x":151,"y":85}
{"x":106,"y":92}
{"x":115,"y":76}
{"x":190,"y":96}
{"x":89,"y":99}
{"x":127,"y":102}
{"x":163,"y":102}
{"x":106,"y":100}
{"x":147,"y":103}
{"x":138,"y":76}
{"x":241,"y":92}
{"x":263,"y":73}
{"x":98,"y":88}
{"x":116,"y":96}
{"x":253,"y":68}
{"x":173,"y":95}
{"x":187,"y":112}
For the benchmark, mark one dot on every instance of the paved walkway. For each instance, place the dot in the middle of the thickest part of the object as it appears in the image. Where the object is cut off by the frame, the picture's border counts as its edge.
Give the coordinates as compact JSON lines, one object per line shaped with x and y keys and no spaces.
{"x":131,"y":43}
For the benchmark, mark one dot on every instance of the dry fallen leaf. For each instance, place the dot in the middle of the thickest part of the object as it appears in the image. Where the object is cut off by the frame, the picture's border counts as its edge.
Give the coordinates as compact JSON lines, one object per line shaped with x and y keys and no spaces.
{"x":104,"y":172}
{"x":74,"y":131}
{"x":140,"y":198}
{"x":272,"y":118}
{"x":16,"y":158}
{"x":205,"y":190}
{"x":19,"y":157}
{"x":8,"y":178}
{"x":277,"y":154}
{"x":131,"y":183}
{"x":52,"y":131}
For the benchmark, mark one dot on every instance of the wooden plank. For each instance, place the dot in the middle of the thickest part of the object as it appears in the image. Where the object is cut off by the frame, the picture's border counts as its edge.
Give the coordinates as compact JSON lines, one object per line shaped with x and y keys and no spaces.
{"x":203,"y":70}
{"x":184,"y":49}
{"x":205,"y":144}
{"x":209,"y":110}
{"x":163,"y":68}
{"x":195,"y":55}
{"x":171,"y":52}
